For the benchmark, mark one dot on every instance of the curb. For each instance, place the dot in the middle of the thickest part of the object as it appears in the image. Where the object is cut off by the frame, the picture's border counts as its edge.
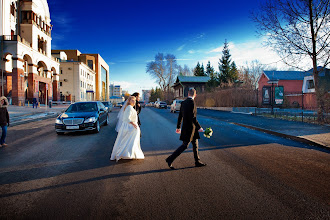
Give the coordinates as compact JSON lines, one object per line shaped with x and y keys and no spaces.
{"x":300,"y":139}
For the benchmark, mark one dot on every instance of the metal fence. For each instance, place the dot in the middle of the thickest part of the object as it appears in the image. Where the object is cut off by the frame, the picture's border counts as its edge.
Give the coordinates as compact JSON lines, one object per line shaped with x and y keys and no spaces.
{"x":310,"y":116}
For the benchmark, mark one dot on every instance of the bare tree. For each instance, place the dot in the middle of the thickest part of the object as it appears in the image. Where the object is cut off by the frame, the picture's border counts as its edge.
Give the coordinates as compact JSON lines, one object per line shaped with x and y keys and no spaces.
{"x":172,"y":68}
{"x":185,"y":70}
{"x":298,"y":29}
{"x":156,"y":69}
{"x":164,"y":70}
{"x":252,"y":71}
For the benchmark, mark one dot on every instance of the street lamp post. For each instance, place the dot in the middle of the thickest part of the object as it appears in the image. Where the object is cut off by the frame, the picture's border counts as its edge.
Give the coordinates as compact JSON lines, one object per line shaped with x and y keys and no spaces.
{"x":272,"y":95}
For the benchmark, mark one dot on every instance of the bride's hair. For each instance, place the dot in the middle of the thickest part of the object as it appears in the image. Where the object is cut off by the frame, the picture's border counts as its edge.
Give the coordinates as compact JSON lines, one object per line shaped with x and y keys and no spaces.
{"x":128,"y":100}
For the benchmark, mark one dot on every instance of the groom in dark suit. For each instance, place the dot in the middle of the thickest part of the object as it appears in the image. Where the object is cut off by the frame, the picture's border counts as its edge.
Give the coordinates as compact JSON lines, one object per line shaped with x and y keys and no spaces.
{"x":190,"y":129}
{"x":137,"y":106}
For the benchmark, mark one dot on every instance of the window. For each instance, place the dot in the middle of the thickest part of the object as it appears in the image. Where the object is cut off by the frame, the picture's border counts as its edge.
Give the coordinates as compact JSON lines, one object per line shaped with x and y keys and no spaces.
{"x":310,"y":84}
{"x":61,"y":71}
{"x":90,"y":64}
{"x":60,"y":83}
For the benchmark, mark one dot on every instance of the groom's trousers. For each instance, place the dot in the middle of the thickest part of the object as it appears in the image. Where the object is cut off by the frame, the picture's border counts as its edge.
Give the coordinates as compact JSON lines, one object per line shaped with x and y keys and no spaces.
{"x":182,"y":148}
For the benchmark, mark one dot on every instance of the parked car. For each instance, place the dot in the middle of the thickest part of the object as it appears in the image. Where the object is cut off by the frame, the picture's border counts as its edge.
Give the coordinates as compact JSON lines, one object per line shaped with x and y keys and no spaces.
{"x":176,"y":105}
{"x":143,"y":104}
{"x":119,"y":104}
{"x":82,"y":116}
{"x":108,"y":105}
{"x":162,"y":105}
{"x":156,"y":105}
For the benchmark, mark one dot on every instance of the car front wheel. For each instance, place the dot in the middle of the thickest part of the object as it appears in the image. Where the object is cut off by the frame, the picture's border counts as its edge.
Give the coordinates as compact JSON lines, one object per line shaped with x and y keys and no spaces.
{"x":97,"y":127}
{"x":107,"y":120}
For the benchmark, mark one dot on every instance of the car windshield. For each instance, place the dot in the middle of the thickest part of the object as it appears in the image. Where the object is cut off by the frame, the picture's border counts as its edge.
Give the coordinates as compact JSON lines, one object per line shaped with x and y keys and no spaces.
{"x":163,"y":103}
{"x":178,"y":101}
{"x":106,"y":104}
{"x":82,"y":107}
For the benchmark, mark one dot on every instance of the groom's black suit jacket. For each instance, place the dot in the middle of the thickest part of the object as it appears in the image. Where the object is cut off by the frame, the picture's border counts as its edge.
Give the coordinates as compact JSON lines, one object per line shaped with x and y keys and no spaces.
{"x":187,"y":117}
{"x":137,"y":107}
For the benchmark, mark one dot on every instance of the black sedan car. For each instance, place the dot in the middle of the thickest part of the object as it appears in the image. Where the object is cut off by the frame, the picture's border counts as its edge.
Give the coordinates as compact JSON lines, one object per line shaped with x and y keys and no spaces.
{"x":82,"y":116}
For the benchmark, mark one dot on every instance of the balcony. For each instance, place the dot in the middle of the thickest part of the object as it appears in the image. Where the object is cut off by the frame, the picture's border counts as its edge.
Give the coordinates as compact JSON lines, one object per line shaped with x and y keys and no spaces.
{"x":16,"y":38}
{"x":22,"y":40}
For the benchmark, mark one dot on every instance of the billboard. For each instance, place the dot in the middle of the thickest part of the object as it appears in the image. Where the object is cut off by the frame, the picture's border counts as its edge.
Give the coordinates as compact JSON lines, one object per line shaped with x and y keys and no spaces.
{"x":266,"y":95}
{"x":279,"y":95}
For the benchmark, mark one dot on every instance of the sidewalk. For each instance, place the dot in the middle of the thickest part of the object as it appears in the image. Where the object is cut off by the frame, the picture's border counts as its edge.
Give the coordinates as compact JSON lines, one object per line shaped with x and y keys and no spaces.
{"x":317,"y":135}
{"x":24,"y":114}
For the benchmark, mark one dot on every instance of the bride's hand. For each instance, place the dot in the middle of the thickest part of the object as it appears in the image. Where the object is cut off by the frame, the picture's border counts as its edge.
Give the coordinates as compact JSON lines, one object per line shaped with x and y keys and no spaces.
{"x":134,"y":125}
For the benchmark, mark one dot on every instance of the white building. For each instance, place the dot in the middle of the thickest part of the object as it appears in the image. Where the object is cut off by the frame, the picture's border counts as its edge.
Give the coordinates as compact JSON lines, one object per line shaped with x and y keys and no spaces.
{"x":29,"y":70}
{"x":101,"y":68}
{"x":115,"y":90}
{"x":146,"y":95}
{"x":77,"y":80}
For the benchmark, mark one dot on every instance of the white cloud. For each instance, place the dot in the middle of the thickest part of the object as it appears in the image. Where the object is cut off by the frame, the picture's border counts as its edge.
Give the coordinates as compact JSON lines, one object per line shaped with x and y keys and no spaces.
{"x":124,"y":84}
{"x":245,"y":52}
{"x":137,"y":86}
{"x":191,"y":51}
{"x":181,"y":47}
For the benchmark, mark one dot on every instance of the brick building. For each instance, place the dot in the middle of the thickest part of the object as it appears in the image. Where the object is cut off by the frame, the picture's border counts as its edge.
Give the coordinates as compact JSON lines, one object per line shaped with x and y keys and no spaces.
{"x":296,"y":88}
{"x":27,"y":68}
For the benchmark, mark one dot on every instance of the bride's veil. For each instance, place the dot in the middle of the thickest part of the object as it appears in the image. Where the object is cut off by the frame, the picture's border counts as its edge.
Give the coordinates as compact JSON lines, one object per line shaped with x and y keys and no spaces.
{"x":120,"y":116}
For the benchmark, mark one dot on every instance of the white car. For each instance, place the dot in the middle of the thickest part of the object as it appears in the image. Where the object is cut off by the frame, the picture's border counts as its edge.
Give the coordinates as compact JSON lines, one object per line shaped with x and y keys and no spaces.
{"x":176,"y":105}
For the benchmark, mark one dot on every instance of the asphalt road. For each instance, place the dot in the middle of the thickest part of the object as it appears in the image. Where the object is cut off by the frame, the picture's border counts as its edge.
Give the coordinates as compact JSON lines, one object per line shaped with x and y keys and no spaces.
{"x":249,"y":174}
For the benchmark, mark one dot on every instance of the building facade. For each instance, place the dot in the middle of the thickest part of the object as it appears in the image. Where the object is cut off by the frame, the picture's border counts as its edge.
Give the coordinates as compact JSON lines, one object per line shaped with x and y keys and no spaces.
{"x":28,"y":69}
{"x":184,"y":83}
{"x":77,"y":80}
{"x":115,"y":90}
{"x":146,"y":95}
{"x":96,"y":63}
{"x":297,"y":88}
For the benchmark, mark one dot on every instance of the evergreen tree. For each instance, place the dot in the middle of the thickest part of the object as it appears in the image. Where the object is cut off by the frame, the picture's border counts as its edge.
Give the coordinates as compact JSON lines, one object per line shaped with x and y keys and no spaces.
{"x":233,"y":72}
{"x":199,"y":70}
{"x":213,"y":76}
{"x":225,"y":66}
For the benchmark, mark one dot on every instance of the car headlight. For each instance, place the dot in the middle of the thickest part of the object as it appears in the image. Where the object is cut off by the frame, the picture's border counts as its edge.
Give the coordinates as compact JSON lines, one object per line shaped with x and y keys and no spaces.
{"x":90,"y":120}
{"x":58,"y":121}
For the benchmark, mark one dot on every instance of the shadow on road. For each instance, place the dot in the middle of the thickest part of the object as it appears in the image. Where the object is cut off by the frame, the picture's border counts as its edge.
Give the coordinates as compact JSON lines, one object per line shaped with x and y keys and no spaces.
{"x":99,"y":178}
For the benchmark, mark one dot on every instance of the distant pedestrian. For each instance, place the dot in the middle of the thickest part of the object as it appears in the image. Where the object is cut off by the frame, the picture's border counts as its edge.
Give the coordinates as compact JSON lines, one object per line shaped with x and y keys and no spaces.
{"x":4,"y":119}
{"x":35,"y":103}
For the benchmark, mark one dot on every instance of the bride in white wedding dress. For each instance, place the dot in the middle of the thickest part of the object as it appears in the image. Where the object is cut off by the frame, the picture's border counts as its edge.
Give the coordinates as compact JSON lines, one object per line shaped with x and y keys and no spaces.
{"x":127,"y":145}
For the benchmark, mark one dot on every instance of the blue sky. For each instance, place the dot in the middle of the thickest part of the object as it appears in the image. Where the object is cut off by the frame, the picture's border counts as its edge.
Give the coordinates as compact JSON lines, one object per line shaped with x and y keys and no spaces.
{"x":129,"y":33}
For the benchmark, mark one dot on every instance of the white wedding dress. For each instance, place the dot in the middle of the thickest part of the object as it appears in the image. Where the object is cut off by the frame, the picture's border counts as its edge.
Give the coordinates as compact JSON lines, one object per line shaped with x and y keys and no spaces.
{"x":127,"y":145}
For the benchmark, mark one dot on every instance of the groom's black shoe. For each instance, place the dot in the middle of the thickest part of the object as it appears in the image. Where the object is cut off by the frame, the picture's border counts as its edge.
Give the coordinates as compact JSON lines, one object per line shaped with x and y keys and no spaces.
{"x":200,"y":164}
{"x":169,"y":163}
